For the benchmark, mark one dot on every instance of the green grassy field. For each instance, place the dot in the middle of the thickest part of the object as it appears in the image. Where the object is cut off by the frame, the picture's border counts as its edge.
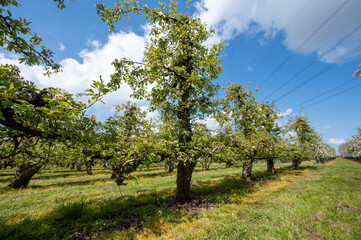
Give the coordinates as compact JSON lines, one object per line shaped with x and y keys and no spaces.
{"x":315,"y":202}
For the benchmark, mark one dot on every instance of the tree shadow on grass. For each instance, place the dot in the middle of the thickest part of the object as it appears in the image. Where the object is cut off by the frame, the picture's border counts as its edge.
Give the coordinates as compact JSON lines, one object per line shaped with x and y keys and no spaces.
{"x":89,"y":219}
{"x":54,"y":176}
{"x":34,"y":185}
{"x":6,"y":174}
{"x":7,"y":180}
{"x":71,"y":183}
{"x":145,"y":175}
{"x":50,"y":169}
{"x":161,"y":173}
{"x":73,"y":173}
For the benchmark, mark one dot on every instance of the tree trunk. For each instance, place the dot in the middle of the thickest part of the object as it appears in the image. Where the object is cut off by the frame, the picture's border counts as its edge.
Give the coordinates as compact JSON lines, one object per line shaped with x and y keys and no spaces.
{"x":89,"y":168}
{"x":184,"y":177}
{"x":270,"y":165}
{"x":23,"y":175}
{"x":5,"y":165}
{"x":113,"y":176}
{"x":247,"y":170}
{"x":121,"y":171}
{"x":206,"y":164}
{"x":72,"y":166}
{"x":295,"y":164}
{"x":78,"y":168}
{"x":119,"y":179}
{"x":229,"y":164}
{"x":169,"y":165}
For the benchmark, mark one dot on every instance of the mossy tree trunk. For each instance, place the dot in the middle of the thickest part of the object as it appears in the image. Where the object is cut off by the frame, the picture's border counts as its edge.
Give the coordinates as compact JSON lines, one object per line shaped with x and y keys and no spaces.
{"x":247,"y":170}
{"x":184,"y":177}
{"x":296,"y":163}
{"x":169,"y":164}
{"x":89,"y":168}
{"x":270,"y":165}
{"x":229,"y":164}
{"x":23,"y":175}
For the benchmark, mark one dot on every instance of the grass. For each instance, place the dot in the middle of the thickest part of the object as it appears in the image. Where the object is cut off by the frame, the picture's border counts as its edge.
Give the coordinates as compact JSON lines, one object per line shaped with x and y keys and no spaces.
{"x":315,"y":202}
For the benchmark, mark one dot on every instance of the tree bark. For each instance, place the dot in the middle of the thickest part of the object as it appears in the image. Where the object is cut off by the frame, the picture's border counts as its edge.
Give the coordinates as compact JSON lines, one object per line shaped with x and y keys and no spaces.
{"x":247,"y":170}
{"x":184,"y":177}
{"x":126,"y":168}
{"x":295,"y":164}
{"x":229,"y":164}
{"x":5,"y":165}
{"x":270,"y":165}
{"x":207,"y":164}
{"x":169,"y":165}
{"x":89,"y":168}
{"x":23,"y":175}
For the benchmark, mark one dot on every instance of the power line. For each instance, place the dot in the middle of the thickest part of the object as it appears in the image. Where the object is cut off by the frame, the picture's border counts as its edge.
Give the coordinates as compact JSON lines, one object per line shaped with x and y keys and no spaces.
{"x":350,"y":53}
{"x":314,"y":61}
{"x":298,"y":14}
{"x":304,"y":42}
{"x":320,"y":95}
{"x":289,"y":25}
{"x":336,"y":94}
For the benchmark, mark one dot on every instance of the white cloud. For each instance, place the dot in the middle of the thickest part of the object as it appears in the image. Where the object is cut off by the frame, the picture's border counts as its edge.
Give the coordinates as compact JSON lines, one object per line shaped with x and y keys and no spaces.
{"x":210,"y":122}
{"x":61,"y":47}
{"x":154,"y":115}
{"x":335,"y":141}
{"x":231,"y":18}
{"x":330,"y":126}
{"x":286,"y":113}
{"x":93,"y":43}
{"x":291,"y":133}
{"x":76,"y":76}
{"x":250,"y":68}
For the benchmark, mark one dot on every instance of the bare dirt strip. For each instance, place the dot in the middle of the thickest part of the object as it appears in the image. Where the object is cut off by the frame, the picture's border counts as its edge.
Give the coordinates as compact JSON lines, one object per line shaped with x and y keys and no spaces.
{"x":329,"y":162}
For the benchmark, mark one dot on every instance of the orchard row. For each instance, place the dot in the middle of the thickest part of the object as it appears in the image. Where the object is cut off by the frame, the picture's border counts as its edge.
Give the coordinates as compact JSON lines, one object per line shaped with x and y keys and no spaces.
{"x":352,"y":148}
{"x":50,"y":126}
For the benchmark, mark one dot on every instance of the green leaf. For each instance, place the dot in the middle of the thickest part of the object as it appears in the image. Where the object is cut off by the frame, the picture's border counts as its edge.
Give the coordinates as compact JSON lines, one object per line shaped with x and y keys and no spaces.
{"x":8,"y":103}
{"x":29,"y":113}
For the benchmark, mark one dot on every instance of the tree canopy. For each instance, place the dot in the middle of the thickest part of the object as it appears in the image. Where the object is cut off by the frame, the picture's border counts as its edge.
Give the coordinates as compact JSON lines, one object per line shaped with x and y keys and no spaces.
{"x":180,"y":69}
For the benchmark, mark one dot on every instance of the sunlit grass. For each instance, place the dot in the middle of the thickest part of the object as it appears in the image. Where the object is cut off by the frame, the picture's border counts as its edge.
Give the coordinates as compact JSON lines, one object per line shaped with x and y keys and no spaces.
{"x":322,"y":204}
{"x":50,"y":187}
{"x":302,"y":204}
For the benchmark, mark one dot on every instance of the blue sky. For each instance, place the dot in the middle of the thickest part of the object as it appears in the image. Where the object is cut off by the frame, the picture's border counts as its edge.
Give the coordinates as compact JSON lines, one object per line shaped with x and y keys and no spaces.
{"x":259,"y":36}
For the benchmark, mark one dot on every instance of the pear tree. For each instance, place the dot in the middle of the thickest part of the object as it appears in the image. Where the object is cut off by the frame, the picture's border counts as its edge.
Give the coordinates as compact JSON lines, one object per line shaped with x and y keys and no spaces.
{"x":244,"y":110}
{"x":126,"y":142}
{"x":304,"y":138}
{"x":177,"y":66}
{"x":352,"y":148}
